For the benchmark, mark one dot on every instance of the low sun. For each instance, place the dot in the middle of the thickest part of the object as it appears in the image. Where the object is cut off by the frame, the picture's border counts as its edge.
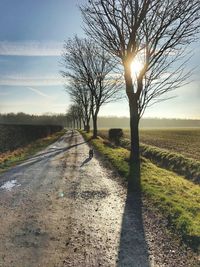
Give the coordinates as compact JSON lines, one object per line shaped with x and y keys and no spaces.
{"x":136,"y":67}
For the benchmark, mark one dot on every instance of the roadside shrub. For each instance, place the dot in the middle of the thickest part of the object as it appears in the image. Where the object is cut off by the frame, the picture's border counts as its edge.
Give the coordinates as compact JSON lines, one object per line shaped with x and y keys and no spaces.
{"x":115,"y":134}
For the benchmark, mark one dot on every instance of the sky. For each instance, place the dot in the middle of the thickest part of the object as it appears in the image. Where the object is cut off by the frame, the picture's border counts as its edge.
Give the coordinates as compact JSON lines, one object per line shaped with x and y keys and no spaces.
{"x":32,"y":33}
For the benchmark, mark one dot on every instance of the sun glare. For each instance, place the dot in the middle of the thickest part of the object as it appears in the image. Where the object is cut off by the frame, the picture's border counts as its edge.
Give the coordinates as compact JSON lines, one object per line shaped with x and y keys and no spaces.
{"x":136,"y":67}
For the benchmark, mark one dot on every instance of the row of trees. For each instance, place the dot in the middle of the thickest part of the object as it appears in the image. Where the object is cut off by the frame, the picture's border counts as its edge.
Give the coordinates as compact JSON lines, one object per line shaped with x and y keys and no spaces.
{"x":74,"y":116}
{"x":153,"y":32}
{"x":92,"y":80}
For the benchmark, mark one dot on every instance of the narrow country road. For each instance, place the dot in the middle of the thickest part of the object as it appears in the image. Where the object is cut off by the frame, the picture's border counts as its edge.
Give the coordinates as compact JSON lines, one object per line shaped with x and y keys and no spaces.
{"x":61,"y":209}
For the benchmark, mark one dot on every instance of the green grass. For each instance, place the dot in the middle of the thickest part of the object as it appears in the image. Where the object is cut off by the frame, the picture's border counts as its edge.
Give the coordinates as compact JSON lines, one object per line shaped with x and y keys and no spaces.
{"x":183,"y":141}
{"x":175,"y":197}
{"x":168,"y":158}
{"x":188,"y":167}
{"x":12,"y":158}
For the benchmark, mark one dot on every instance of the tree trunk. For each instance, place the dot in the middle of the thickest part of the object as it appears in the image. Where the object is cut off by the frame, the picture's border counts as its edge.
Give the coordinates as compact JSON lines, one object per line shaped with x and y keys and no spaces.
{"x":134,"y":115}
{"x":87,"y":128}
{"x":134,"y":128}
{"x":94,"y":118}
{"x":134,"y":171}
{"x":79,"y":123}
{"x":84,"y":124}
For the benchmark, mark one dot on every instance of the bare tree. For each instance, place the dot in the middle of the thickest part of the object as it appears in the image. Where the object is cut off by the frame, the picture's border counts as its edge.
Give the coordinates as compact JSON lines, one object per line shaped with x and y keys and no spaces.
{"x":89,"y":66}
{"x":153,"y":32}
{"x":68,"y":120}
{"x":74,"y":116}
{"x":80,"y":94}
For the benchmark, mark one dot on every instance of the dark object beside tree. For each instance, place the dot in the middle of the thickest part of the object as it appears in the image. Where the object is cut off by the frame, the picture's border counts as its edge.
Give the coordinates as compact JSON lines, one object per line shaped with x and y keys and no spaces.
{"x":115,"y":134}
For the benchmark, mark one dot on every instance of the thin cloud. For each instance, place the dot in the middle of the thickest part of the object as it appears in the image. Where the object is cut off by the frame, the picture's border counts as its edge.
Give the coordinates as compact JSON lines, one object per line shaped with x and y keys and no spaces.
{"x":30,"y":48}
{"x":29,"y":81}
{"x":38,"y":92}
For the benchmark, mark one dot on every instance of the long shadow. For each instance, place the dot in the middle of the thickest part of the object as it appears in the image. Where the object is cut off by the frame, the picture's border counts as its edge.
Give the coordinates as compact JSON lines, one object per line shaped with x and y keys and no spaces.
{"x":85,"y":161}
{"x":55,"y":151}
{"x":48,"y":155}
{"x":52,"y":150}
{"x":35,"y":159}
{"x":133,"y":250}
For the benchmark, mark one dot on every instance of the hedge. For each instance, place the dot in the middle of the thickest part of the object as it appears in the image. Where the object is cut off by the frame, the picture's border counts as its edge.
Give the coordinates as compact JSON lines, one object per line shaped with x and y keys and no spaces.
{"x":15,"y":136}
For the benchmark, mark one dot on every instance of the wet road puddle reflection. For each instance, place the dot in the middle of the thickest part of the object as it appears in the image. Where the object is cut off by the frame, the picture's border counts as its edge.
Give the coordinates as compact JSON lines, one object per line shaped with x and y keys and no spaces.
{"x":9,"y":185}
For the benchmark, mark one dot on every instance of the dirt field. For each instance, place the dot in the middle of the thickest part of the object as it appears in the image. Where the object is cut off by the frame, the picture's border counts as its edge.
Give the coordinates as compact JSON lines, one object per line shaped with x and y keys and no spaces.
{"x":184,"y":141}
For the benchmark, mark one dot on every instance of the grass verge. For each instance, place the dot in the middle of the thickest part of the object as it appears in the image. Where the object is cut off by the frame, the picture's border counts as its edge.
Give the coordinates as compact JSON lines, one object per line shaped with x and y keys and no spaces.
{"x":175,"y":197}
{"x":184,"y":141}
{"x":12,"y":158}
{"x":188,"y":167}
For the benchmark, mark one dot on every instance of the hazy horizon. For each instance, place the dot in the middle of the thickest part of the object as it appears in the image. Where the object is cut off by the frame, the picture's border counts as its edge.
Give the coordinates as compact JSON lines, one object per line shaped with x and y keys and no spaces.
{"x":102,"y":116}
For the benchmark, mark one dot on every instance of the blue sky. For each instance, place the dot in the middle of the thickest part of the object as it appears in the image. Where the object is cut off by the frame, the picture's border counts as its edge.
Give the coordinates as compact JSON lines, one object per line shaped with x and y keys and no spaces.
{"x":32,"y":33}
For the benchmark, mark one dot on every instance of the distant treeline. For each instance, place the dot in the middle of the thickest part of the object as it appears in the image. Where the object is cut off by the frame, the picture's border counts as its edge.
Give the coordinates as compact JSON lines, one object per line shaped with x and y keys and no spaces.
{"x":123,"y":122}
{"x":22,"y":118}
{"x":15,"y":136}
{"x":103,"y":122}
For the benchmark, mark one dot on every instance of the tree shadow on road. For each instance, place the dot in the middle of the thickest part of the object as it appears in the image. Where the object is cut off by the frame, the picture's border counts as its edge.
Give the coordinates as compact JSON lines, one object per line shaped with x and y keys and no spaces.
{"x":133,"y":250}
{"x":50,"y":153}
{"x":85,"y":161}
{"x":54,"y":151}
{"x":40,"y":157}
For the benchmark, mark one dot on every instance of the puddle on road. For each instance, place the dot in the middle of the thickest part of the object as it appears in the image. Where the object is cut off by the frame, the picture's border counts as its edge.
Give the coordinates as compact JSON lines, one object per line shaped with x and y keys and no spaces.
{"x":9,"y":185}
{"x":53,"y":147}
